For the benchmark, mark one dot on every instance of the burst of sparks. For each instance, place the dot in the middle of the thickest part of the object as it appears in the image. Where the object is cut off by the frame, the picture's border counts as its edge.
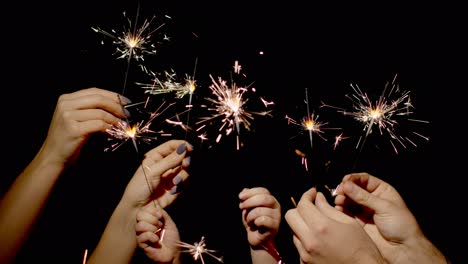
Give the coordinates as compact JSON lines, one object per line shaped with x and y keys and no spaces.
{"x":384,"y":114}
{"x":229,"y":105}
{"x":198,"y":249}
{"x":133,"y":41}
{"x":170,"y":85}
{"x":310,"y":123}
{"x":138,"y":132}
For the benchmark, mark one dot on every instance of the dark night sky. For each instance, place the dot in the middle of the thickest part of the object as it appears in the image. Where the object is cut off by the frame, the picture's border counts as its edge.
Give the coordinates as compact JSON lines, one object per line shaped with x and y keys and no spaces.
{"x":50,"y":49}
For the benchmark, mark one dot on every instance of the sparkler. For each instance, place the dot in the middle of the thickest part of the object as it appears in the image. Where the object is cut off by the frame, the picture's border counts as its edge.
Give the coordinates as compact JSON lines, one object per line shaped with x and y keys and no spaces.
{"x":198,"y":249}
{"x":141,"y":131}
{"x":134,"y":41}
{"x":229,"y":106}
{"x":311,"y":125}
{"x":172,"y":84}
{"x":385,"y":114}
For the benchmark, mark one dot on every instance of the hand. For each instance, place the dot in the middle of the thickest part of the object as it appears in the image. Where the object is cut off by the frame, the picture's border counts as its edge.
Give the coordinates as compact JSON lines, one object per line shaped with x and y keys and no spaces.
{"x":157,"y":235}
{"x":77,"y":115}
{"x":261,"y":215}
{"x":383,"y":214}
{"x":323,"y":234}
{"x":163,"y":170}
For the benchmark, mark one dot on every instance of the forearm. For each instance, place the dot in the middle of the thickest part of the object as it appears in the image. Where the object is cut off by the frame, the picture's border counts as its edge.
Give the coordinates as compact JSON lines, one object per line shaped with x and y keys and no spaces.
{"x":421,"y":250}
{"x":265,"y":254}
{"x":118,"y":241}
{"x":24,"y":201}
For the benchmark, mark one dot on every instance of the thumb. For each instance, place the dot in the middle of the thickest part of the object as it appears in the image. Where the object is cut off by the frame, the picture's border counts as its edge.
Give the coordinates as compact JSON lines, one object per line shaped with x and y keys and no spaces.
{"x":330,"y":211}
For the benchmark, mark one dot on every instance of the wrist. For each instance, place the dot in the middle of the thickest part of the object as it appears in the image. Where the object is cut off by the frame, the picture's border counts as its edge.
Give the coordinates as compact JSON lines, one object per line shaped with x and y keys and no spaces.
{"x":422,"y":250}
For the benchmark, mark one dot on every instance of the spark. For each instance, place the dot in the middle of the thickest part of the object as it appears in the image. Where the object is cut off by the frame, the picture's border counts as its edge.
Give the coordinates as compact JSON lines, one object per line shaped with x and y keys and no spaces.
{"x":133,"y":41}
{"x":140,"y":131}
{"x":338,"y":139}
{"x":385,"y":114}
{"x":85,"y":256}
{"x":170,"y":85}
{"x":229,"y":105}
{"x":310,"y":123}
{"x":198,"y":249}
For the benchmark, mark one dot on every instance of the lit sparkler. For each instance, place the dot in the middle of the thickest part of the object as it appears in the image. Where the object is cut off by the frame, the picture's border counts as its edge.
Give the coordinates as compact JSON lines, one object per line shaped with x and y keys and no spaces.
{"x":229,"y":106}
{"x":198,"y":249}
{"x":385,"y":114}
{"x":134,"y":41}
{"x":170,"y":85}
{"x":311,"y":125}
{"x":140,"y":131}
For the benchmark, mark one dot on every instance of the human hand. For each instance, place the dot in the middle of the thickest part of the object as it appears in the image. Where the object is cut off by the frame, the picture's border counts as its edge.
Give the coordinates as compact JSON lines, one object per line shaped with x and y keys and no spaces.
{"x":319,"y":231}
{"x":261,"y":215}
{"x":383,"y":214}
{"x":157,"y":234}
{"x":77,"y":115}
{"x":161,"y":173}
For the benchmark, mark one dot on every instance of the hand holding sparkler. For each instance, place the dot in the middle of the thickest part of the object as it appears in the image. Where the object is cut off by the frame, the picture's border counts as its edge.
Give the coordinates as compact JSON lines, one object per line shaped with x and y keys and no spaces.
{"x":157,"y":235}
{"x":155,"y":182}
{"x":319,"y":231}
{"x":261,"y":216}
{"x":384,"y":216}
{"x":77,"y":115}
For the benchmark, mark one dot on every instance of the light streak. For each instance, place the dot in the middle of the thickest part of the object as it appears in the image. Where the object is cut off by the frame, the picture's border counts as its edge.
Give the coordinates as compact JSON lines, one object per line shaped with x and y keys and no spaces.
{"x":229,"y":108}
{"x":198,"y":249}
{"x":384,"y":115}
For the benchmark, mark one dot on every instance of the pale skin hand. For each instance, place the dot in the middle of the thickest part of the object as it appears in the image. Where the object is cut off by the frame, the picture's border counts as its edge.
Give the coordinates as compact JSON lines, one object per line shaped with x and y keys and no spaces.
{"x":261,"y":216}
{"x":157,"y":235}
{"x":77,"y":115}
{"x":322,"y":234}
{"x":383,"y":214}
{"x":161,"y":166}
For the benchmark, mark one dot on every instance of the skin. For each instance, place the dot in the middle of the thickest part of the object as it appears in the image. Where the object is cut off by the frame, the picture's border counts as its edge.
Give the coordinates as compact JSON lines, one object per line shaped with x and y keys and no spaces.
{"x":162,"y":165}
{"x":261,"y":217}
{"x":77,"y":115}
{"x":383,"y":214}
{"x":319,"y":231}
{"x":157,"y":235}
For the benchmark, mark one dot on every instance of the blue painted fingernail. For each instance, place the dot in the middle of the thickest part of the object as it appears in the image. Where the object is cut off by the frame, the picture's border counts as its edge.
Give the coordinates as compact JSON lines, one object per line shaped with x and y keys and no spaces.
{"x":187,"y":160}
{"x":127,"y":113}
{"x":181,"y":149}
{"x":125,"y":100}
{"x":177,"y":179}
{"x":173,"y":190}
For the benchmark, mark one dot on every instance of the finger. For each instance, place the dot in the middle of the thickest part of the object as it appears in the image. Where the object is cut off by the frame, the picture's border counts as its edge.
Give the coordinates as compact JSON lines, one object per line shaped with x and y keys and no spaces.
{"x":246,"y":193}
{"x":94,"y":90}
{"x":147,"y":238}
{"x":143,"y":226}
{"x":258,"y":212}
{"x":361,"y":196}
{"x":93,"y":114}
{"x":170,"y":162}
{"x":94,"y":101}
{"x":167,"y":148}
{"x":259,"y":200}
{"x":296,"y":223}
{"x":331,"y":212}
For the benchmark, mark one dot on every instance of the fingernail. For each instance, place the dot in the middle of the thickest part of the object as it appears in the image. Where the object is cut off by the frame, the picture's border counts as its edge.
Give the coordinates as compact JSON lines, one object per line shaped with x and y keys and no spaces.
{"x":173,"y":190}
{"x":125,"y":100}
{"x":127,"y":113}
{"x":187,"y":161}
{"x":177,"y":179}
{"x":181,"y":149}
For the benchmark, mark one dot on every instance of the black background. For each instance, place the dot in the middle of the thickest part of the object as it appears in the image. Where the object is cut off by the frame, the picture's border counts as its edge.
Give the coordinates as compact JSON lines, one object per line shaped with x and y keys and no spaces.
{"x":50,"y":49}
